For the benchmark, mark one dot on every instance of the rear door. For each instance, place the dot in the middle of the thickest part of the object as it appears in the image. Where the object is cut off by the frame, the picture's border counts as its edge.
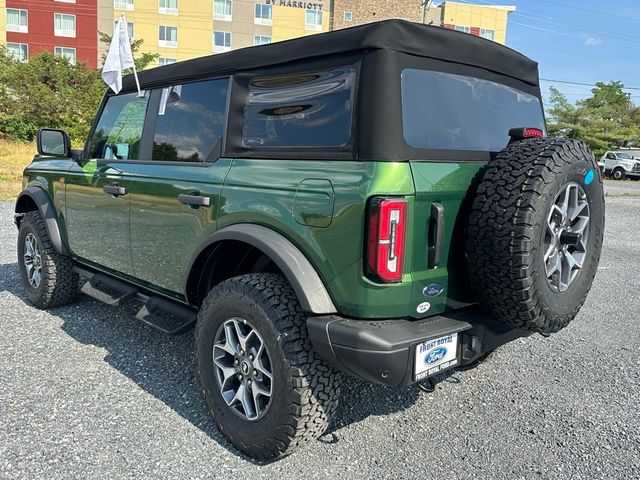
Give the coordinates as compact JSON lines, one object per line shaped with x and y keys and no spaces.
{"x":98,"y":189}
{"x":458,"y":122}
{"x":175,"y":195}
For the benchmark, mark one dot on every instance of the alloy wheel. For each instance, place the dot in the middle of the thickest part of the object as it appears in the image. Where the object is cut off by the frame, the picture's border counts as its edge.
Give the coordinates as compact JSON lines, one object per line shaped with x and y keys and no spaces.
{"x":566,"y":237}
{"x":32,"y":260}
{"x":243,"y":368}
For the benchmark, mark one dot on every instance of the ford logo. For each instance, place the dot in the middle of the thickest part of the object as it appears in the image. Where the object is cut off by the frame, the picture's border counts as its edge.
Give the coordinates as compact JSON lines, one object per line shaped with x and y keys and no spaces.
{"x":434,"y":355}
{"x":432,"y":290}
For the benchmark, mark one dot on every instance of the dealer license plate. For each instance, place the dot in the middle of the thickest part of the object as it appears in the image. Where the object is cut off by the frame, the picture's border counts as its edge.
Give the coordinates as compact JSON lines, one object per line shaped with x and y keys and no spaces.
{"x":436,"y":355}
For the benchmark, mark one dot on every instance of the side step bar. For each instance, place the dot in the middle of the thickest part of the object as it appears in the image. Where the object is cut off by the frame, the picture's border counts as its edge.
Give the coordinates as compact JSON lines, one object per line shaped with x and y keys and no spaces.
{"x":108,"y":290}
{"x":163,"y":314}
{"x":167,"y":316}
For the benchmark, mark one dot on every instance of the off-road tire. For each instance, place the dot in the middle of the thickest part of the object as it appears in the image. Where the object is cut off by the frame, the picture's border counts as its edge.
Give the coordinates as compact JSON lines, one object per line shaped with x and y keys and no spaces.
{"x":618,"y":174}
{"x":504,"y":246}
{"x":305,"y":389}
{"x":59,"y":283}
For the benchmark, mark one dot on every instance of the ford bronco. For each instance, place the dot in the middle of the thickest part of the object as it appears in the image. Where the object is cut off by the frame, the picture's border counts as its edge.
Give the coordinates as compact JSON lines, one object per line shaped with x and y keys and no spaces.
{"x":381,"y":201}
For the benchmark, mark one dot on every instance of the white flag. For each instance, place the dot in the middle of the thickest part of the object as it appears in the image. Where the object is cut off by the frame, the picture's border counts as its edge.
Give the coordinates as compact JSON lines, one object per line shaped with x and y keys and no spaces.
{"x":119,"y":57}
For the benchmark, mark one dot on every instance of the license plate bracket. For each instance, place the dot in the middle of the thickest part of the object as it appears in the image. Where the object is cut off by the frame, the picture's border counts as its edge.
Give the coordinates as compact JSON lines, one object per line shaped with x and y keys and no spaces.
{"x":435,"y":355}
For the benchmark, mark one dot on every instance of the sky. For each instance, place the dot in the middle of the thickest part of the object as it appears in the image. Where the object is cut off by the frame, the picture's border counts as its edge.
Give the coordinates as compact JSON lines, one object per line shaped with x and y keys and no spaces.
{"x":584,"y":41}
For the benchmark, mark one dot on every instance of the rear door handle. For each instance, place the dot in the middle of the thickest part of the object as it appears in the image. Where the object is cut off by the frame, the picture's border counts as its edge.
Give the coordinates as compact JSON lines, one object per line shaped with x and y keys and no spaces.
{"x":114,"y":189}
{"x":436,"y":234}
{"x":194,"y":200}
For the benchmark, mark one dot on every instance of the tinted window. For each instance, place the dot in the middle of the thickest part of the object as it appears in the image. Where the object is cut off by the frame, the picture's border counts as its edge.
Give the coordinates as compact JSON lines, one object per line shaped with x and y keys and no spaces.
{"x":118,"y":132}
{"x":304,"y":110}
{"x":445,"y":111}
{"x":190,"y":121}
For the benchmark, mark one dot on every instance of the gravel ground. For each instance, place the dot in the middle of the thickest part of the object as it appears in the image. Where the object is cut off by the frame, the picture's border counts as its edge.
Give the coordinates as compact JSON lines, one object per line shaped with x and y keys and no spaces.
{"x":86,"y":391}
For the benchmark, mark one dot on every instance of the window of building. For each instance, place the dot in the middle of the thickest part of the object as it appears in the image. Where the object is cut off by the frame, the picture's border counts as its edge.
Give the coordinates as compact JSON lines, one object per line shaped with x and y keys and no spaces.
{"x":129,"y":28}
{"x":19,"y":51}
{"x":263,"y":14}
{"x":166,"y":60}
{"x":168,"y":36}
{"x":117,"y":134}
{"x":487,"y":33}
{"x":222,"y":9}
{"x":169,"y":7}
{"x":306,"y":110}
{"x":123,"y":4}
{"x":190,"y":121}
{"x":64,"y":25}
{"x":66,"y":52}
{"x":313,"y":20}
{"x":462,"y":28}
{"x":221,"y":41}
{"x":261,"y":39}
{"x":476,"y":114}
{"x":17,"y":20}
{"x":347,"y":16}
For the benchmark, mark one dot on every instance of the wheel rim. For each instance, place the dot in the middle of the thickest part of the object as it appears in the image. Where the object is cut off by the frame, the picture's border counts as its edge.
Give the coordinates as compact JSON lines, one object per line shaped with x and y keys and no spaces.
{"x":32,"y":260}
{"x":566,"y":237}
{"x":243,"y":368}
{"x":617,"y":175}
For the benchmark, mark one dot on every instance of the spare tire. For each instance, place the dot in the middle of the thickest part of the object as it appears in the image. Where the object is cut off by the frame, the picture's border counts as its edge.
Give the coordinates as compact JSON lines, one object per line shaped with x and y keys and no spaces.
{"x":535,"y":233}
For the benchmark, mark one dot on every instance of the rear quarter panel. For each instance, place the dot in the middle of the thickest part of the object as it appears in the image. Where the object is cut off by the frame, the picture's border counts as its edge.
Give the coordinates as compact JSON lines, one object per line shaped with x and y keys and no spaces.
{"x":264,"y":192}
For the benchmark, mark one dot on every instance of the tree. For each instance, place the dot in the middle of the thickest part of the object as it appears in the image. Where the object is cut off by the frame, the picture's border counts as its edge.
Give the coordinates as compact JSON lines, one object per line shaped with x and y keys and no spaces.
{"x":606,"y":120}
{"x":45,"y":92}
{"x":48,"y":91}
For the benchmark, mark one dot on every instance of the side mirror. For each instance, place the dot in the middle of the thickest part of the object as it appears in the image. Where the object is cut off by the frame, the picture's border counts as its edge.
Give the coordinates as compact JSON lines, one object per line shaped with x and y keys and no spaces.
{"x":54,"y":142}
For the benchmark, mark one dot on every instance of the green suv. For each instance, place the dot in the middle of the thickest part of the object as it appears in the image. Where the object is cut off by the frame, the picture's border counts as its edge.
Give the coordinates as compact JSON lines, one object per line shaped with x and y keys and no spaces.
{"x":380,"y":201}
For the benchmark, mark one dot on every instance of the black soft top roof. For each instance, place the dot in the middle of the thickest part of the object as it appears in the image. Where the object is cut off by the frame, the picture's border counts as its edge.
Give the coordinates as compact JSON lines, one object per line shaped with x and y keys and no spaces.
{"x":396,"y":35}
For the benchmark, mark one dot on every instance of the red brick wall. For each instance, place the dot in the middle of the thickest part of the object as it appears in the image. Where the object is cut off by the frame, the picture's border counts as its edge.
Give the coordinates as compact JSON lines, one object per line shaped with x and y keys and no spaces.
{"x":40,"y":36}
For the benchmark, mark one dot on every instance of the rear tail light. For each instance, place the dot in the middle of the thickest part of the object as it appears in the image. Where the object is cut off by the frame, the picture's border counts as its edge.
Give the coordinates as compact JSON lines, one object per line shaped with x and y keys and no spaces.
{"x":522,"y":133}
{"x":386,"y":239}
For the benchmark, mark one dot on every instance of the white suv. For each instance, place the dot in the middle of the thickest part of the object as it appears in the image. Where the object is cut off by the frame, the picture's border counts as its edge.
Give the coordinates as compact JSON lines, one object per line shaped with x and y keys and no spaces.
{"x":620,"y":165}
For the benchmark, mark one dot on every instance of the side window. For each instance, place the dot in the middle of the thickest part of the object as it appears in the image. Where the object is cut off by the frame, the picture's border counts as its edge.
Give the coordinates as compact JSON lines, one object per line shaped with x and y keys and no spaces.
{"x":117,"y":134}
{"x":611,"y":156}
{"x":301,"y":110}
{"x":190,"y":121}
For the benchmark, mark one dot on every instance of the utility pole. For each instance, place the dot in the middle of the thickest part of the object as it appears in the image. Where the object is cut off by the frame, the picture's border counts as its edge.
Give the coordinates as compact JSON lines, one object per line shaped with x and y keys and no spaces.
{"x":426,"y":4}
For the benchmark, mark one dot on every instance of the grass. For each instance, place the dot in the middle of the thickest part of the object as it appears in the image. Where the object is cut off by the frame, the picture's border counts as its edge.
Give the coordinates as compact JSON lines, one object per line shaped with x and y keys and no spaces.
{"x":14,"y":156}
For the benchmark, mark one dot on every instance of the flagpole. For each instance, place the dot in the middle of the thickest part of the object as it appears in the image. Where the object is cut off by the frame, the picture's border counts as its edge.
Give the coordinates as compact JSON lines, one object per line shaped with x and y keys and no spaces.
{"x":135,"y":72}
{"x":135,"y":75}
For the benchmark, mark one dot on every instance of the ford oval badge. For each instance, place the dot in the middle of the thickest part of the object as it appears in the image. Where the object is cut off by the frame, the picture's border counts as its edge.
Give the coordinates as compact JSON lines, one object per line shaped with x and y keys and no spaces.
{"x":434,"y":355}
{"x":432,"y":290}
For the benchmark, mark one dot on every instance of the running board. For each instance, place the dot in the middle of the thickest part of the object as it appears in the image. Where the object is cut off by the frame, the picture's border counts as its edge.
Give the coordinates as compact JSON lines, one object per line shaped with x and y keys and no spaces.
{"x":108,"y":290}
{"x":167,"y":316}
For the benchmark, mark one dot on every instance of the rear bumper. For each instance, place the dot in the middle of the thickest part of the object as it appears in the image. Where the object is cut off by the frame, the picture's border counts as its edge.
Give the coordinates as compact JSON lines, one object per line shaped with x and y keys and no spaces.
{"x":382,"y":351}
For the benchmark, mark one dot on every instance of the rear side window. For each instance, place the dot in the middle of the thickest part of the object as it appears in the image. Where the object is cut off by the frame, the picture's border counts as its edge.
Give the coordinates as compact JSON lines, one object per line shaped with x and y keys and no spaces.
{"x":118,"y":131}
{"x":456,"y":112}
{"x":302,"y":110}
{"x":190,"y":121}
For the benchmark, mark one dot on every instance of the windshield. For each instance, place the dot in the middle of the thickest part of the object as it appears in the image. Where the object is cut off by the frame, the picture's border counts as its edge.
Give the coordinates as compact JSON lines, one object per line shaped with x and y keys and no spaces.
{"x":456,"y":112}
{"x":623,"y":155}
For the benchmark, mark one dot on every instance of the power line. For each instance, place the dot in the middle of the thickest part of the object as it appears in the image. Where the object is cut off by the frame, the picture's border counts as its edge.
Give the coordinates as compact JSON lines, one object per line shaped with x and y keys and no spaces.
{"x":550,"y":20}
{"x":581,"y":84}
{"x":556,"y":4}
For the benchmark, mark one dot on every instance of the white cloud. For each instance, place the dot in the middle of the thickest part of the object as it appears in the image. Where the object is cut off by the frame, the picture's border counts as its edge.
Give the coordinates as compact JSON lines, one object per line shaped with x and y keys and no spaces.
{"x":593,"y":41}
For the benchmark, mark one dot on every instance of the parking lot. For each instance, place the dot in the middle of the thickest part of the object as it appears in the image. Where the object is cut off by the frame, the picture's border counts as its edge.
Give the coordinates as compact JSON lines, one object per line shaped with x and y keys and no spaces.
{"x":86,"y":391}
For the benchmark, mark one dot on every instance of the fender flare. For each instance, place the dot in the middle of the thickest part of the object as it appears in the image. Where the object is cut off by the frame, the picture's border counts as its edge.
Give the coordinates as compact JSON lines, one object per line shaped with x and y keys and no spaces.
{"x":45,"y":206}
{"x":302,"y":276}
